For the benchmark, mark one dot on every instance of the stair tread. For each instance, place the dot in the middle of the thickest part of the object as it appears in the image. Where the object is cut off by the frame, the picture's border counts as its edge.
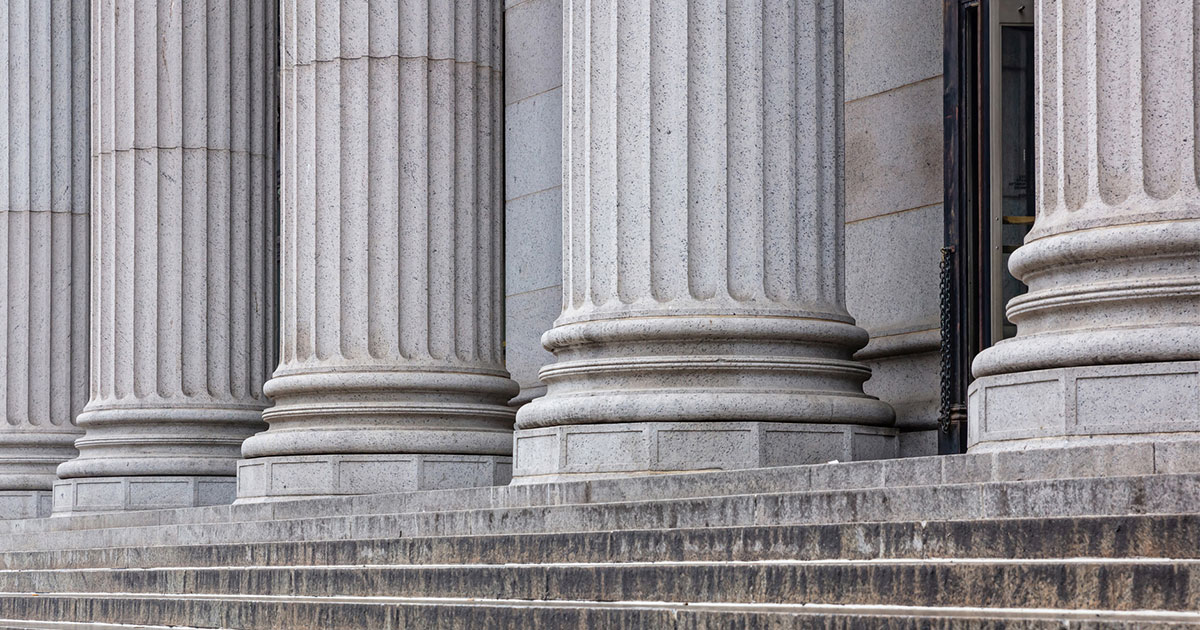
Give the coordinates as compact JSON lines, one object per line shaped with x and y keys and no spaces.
{"x":1161,"y":494}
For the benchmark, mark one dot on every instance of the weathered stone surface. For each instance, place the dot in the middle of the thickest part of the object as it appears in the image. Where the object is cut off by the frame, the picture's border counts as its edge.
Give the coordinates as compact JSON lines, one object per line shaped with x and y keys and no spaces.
{"x":1142,"y":536}
{"x":894,"y":150}
{"x":183,"y":247}
{"x":354,"y":614}
{"x":1128,"y":584}
{"x":1108,"y":336}
{"x":945,"y":488}
{"x":928,"y":538}
{"x":44,"y":208}
{"x":392,"y":265}
{"x":1140,"y":460}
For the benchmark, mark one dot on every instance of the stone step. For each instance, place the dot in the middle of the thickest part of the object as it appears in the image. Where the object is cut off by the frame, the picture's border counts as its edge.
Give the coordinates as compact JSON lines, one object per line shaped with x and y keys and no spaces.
{"x":184,"y":612}
{"x":1124,"y":460}
{"x":1146,"y":494}
{"x":1121,"y":584}
{"x":1134,"y":536}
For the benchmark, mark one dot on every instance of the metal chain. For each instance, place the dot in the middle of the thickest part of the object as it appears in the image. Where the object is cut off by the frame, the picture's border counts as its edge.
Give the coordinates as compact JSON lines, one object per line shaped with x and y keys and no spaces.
{"x":947,"y":349}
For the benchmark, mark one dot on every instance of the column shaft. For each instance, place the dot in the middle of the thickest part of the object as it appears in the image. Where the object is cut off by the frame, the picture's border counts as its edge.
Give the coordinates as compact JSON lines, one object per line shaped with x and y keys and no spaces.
{"x":43,"y":244}
{"x":704,"y":321}
{"x":392,"y":375}
{"x":183,"y":251}
{"x":1108,"y":336}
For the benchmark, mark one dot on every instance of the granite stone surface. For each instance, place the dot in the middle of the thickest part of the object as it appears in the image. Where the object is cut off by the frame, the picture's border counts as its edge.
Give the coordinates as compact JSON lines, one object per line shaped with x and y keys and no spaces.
{"x":533,"y":49}
{"x":392,"y":245}
{"x":183,"y":258}
{"x":44,"y":214}
{"x":1108,"y":335}
{"x":891,"y":44}
{"x":703,"y":275}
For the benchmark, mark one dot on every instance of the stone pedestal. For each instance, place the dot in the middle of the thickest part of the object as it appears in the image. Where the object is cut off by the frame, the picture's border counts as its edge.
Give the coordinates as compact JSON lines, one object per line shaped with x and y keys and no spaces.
{"x":43,"y":245}
{"x":183,"y":266}
{"x":703,"y":292}
{"x":1108,"y":336}
{"x":392,"y":277}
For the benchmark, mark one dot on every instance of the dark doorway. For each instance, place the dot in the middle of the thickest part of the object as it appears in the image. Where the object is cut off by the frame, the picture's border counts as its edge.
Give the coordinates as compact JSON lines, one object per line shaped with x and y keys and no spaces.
{"x":989,"y":186}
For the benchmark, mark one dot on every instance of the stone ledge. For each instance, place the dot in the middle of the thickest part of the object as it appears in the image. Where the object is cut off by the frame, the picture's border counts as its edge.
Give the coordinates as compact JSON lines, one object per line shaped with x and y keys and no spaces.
{"x":120,"y":494}
{"x":1128,"y":403}
{"x":600,"y":450}
{"x":298,"y":476}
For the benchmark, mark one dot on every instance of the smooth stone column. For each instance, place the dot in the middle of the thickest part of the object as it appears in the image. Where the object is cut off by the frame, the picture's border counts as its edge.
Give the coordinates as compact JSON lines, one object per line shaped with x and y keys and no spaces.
{"x":183,"y":252}
{"x":392,"y":376}
{"x":704,"y":322}
{"x":43,"y":245}
{"x":1108,"y":337}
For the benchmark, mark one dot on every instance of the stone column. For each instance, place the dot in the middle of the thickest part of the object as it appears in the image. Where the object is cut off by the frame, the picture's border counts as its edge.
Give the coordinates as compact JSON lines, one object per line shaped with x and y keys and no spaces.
{"x":1108,"y":336}
{"x":704,"y":322}
{"x":392,"y":375}
{"x":43,"y":244}
{"x":183,"y":251}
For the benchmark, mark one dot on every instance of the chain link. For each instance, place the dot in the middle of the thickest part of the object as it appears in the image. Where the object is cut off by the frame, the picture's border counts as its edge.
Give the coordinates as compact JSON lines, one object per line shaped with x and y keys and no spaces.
{"x":947,"y":348}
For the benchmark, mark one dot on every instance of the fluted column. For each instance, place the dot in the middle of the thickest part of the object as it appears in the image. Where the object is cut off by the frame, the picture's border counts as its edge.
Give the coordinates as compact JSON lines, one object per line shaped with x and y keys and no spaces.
{"x":1108,"y":336}
{"x":392,"y":375}
{"x":183,"y":251}
{"x":43,"y":244}
{"x":704,"y":321}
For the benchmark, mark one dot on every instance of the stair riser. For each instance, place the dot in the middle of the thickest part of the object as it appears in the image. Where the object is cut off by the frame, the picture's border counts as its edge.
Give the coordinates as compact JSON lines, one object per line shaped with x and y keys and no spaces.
{"x":342,"y":616}
{"x":1043,"y":499}
{"x":1077,"y":586}
{"x":1110,"y":537}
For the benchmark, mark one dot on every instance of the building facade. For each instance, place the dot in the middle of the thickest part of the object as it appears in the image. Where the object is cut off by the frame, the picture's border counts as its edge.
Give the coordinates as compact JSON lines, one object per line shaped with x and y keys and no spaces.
{"x":334,"y":247}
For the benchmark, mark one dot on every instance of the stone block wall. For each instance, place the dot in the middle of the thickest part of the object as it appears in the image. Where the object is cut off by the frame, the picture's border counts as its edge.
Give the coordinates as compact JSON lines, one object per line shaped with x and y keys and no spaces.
{"x":533,"y":185}
{"x":894,"y":217}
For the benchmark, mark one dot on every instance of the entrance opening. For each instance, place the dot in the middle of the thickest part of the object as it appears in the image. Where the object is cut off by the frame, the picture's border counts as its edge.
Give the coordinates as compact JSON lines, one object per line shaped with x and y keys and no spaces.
{"x":989,"y":186}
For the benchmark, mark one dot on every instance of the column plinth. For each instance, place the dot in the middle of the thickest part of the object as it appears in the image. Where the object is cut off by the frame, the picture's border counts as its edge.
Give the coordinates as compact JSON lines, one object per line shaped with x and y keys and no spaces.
{"x":1108,"y":336}
{"x":183,"y":252}
{"x":43,"y":245}
{"x":392,"y":375}
{"x":704,"y":322}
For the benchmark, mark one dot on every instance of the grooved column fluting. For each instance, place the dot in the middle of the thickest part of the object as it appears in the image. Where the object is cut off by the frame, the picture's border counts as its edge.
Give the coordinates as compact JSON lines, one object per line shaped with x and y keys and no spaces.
{"x":704,"y":321}
{"x":183,"y":313}
{"x":43,"y":244}
{"x":392,"y":375}
{"x":1108,"y":336}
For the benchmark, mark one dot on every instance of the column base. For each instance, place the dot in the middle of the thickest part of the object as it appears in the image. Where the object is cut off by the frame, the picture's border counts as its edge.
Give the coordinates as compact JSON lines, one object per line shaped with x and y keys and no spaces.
{"x":586,"y":451}
{"x":15,"y":504}
{"x":1077,"y":406}
{"x":264,"y":479}
{"x":122,"y":494}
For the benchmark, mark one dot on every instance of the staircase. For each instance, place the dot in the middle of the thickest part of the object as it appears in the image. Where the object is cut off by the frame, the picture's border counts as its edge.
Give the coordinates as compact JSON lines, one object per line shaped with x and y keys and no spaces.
{"x":1101,"y":537}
